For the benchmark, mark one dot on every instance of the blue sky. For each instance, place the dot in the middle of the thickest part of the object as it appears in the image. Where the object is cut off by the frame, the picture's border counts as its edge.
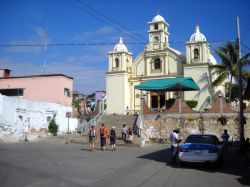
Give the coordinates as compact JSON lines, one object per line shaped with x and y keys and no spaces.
{"x":95,"y":22}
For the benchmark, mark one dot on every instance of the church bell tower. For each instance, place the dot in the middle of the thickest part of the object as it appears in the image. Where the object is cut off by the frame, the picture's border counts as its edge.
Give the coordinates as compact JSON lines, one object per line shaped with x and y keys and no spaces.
{"x":117,"y":84}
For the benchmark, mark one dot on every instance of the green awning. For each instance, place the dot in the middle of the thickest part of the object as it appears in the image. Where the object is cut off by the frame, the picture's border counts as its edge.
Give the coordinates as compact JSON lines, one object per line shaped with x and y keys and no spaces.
{"x":169,"y":84}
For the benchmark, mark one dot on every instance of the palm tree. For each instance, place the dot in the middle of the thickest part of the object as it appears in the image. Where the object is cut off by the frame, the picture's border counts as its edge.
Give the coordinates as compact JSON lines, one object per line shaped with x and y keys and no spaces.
{"x":228,"y":69}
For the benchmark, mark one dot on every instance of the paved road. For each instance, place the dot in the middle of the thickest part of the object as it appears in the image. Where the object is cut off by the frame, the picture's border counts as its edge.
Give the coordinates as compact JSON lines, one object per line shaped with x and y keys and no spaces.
{"x":56,"y":165}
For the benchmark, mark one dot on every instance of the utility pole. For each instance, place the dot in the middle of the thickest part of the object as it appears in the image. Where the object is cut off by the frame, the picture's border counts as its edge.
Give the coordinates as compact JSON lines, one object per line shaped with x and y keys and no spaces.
{"x":241,"y":115}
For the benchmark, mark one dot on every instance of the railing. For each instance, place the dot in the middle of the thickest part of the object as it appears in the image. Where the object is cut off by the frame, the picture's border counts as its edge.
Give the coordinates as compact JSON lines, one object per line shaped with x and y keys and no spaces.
{"x":86,"y":126}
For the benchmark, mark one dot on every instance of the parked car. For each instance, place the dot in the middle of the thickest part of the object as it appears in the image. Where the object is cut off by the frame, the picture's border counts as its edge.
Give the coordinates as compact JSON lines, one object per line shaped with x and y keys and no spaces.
{"x":201,"y":148}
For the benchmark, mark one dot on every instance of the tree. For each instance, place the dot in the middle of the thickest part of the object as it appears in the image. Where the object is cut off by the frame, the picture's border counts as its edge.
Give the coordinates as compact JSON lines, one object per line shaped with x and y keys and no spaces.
{"x":53,"y":127}
{"x":228,"y":69}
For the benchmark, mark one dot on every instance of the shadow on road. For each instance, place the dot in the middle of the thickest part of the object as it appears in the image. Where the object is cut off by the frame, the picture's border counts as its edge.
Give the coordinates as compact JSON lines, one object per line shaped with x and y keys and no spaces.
{"x":233,"y":164}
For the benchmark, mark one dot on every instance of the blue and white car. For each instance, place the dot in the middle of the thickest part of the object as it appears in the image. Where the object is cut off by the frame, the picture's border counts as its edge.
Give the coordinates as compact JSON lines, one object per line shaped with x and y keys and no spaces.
{"x":201,"y":148}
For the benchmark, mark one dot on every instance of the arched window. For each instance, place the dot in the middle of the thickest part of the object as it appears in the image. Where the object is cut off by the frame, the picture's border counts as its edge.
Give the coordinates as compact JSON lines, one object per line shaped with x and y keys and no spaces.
{"x":157,"y":64}
{"x":156,"y":26}
{"x":196,"y":53}
{"x":116,"y":62}
{"x":156,"y":39}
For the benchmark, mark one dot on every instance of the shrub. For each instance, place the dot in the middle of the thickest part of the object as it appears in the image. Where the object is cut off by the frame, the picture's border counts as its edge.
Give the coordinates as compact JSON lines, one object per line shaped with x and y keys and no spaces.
{"x":53,"y":127}
{"x":192,"y":103}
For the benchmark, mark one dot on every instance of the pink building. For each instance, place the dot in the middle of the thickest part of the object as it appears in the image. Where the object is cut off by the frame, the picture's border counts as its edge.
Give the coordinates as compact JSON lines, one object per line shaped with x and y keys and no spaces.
{"x":54,"y":88}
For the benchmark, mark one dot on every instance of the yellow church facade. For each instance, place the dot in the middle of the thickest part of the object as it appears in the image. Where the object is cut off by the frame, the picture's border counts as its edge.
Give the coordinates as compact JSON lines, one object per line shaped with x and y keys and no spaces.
{"x":157,"y":61}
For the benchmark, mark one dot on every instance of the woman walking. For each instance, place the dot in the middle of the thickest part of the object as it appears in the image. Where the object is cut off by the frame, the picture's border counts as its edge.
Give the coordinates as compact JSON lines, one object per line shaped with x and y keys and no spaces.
{"x":113,"y":138}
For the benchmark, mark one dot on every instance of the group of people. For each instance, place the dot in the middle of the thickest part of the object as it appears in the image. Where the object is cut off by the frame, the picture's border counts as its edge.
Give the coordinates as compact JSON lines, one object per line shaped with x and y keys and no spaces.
{"x":127,"y":134}
{"x":103,"y":134}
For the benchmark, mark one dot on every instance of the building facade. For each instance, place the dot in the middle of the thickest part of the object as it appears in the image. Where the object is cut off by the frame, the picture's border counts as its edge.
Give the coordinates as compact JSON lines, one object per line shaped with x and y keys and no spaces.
{"x":157,"y":61}
{"x":53,"y":88}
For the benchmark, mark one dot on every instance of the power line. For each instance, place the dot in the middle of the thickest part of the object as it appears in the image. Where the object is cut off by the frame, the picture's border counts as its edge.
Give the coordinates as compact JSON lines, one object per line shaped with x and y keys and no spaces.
{"x":100,"y":19}
{"x":111,"y":20}
{"x":98,"y":44}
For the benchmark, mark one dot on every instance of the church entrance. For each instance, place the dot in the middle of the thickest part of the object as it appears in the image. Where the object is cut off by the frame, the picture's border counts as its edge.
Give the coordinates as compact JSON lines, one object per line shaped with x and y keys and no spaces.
{"x":157,"y":100}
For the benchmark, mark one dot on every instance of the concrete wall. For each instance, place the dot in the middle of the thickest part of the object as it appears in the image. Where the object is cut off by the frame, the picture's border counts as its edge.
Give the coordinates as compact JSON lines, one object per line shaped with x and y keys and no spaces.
{"x":159,"y":126}
{"x":14,"y":111}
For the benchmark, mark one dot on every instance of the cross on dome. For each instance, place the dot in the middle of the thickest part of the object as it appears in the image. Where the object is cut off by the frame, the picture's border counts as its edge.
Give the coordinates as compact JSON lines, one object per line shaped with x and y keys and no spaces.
{"x":120,"y":47}
{"x":197,"y":36}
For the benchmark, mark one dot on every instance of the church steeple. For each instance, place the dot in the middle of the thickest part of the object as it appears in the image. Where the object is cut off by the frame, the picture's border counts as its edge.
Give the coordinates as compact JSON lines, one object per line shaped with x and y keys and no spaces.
{"x":120,"y":59}
{"x":197,"y":48}
{"x":158,"y":32}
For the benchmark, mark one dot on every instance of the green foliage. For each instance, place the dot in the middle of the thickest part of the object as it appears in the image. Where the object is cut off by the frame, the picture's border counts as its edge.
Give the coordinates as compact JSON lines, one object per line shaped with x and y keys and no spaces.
{"x":192,"y":103}
{"x":234,"y":96}
{"x":229,"y":65}
{"x":53,"y":127}
{"x":169,"y":103}
{"x":76,"y":104}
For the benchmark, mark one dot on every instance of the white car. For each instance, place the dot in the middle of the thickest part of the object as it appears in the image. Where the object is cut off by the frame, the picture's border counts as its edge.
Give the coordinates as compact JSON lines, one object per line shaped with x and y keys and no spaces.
{"x":201,"y":148}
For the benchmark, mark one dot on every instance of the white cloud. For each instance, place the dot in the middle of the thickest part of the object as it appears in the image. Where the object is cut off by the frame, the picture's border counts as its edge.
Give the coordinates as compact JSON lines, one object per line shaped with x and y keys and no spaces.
{"x":40,"y":36}
{"x":106,"y":30}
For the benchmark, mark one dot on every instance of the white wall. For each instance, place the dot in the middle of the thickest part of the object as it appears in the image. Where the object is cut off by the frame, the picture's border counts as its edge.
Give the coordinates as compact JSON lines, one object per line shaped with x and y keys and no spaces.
{"x":11,"y":108}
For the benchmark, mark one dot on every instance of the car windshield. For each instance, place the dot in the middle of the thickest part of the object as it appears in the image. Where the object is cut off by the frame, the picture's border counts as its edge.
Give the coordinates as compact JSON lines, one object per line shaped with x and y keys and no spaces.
{"x":203,"y":139}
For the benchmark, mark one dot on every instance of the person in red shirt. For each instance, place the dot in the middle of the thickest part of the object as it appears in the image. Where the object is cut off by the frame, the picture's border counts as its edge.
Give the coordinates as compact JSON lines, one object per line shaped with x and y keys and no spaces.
{"x":103,"y":133}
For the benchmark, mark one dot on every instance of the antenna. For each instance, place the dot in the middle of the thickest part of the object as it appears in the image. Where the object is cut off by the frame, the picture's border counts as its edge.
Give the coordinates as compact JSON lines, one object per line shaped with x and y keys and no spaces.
{"x":45,"y":49}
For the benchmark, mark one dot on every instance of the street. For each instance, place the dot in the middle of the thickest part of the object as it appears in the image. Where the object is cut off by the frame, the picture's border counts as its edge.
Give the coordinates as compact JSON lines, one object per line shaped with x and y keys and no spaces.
{"x":43,"y":164}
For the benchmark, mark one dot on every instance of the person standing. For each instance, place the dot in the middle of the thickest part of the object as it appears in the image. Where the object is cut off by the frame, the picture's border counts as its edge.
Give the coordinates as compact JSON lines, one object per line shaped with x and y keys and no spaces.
{"x":103,"y":133}
{"x":26,"y":130}
{"x":124,"y":132}
{"x":225,"y":136}
{"x":92,"y":137}
{"x":127,"y":110}
{"x":175,"y":140}
{"x":113,"y":138}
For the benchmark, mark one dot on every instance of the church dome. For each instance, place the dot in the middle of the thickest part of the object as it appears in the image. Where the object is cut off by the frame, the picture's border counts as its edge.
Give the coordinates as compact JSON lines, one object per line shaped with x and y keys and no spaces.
{"x":158,"y":18}
{"x":120,"y":47}
{"x":212,"y":59}
{"x":197,"y":36}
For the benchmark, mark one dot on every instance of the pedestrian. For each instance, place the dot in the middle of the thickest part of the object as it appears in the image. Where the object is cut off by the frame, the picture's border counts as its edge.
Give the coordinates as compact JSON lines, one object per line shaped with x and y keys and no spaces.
{"x":225,"y":136}
{"x":103,"y":133}
{"x":175,"y":140}
{"x":26,"y":130}
{"x":127,"y":110}
{"x":113,"y":138}
{"x":124,"y":132}
{"x":92,"y":137}
{"x":130,"y":136}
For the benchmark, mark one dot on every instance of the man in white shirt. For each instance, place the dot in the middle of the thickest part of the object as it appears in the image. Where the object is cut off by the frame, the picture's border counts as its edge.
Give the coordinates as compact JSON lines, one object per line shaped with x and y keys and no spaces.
{"x":174,"y":139}
{"x":124,"y":132}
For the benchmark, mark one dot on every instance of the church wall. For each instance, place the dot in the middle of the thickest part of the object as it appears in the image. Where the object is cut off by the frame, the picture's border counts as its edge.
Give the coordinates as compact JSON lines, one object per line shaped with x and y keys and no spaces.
{"x":172,"y":65}
{"x":118,"y":93}
{"x":160,"y":128}
{"x":140,"y":68}
{"x":200,"y":76}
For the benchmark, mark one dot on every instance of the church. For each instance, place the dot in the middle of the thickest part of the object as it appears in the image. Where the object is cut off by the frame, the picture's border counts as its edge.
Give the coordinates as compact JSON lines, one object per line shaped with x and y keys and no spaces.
{"x":158,"y":61}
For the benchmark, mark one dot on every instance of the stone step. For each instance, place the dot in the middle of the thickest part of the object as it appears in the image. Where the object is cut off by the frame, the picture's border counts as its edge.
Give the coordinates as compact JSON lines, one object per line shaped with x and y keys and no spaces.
{"x":117,"y":121}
